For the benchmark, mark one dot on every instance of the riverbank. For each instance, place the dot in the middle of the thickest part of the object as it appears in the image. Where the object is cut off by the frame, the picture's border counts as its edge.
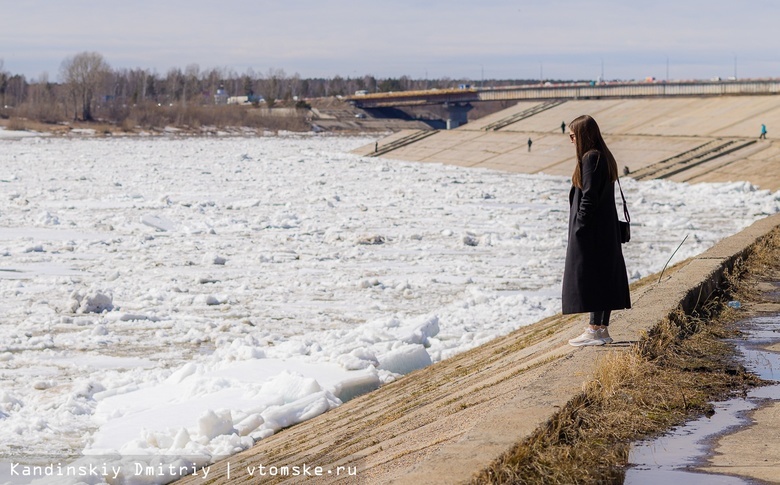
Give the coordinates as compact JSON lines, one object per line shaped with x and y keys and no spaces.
{"x":325,"y":115}
{"x":683,"y":368}
{"x":447,"y":422}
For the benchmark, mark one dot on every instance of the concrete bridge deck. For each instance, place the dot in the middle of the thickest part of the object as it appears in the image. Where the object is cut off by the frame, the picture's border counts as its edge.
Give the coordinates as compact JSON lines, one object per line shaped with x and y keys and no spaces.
{"x":571,"y":90}
{"x":639,"y":131}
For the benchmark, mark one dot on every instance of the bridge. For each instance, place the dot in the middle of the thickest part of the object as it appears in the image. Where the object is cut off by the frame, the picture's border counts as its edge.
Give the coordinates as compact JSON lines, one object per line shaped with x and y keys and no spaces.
{"x":458,"y":101}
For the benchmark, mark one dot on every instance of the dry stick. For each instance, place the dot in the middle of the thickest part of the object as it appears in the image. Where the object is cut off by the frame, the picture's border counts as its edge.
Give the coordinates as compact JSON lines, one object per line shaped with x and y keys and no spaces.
{"x":670,"y":257}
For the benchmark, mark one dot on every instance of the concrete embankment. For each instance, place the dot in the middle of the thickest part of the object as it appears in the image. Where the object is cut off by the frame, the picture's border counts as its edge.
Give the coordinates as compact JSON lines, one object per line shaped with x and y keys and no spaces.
{"x":444,"y":423}
{"x":682,"y":139}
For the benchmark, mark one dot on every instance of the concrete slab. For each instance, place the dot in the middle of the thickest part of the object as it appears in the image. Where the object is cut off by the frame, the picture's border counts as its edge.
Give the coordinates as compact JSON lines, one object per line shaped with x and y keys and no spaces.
{"x":744,"y":118}
{"x":762,"y":168}
{"x":549,"y":122}
{"x":639,"y":116}
{"x":429,"y":147}
{"x":368,"y":150}
{"x":510,"y":148}
{"x":731,"y":116}
{"x":753,"y":451}
{"x":637,"y":152}
{"x":481,"y":123}
{"x":704,"y":169}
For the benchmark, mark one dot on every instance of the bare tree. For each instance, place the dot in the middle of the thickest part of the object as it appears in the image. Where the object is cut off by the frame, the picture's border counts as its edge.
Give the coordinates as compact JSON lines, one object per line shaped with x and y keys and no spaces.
{"x":136,"y":85}
{"x":83,"y":74}
{"x":3,"y":84}
{"x":191,"y":83}
{"x":212,"y":80}
{"x":16,"y":90}
{"x":294,"y":85}
{"x":271,"y":86}
{"x":370,"y":83}
{"x":174,"y":84}
{"x":42,"y":101}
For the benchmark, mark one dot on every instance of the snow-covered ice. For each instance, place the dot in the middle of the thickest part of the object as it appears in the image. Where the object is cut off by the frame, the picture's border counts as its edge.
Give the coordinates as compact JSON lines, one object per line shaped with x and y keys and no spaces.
{"x":12,"y":134}
{"x":191,"y":296}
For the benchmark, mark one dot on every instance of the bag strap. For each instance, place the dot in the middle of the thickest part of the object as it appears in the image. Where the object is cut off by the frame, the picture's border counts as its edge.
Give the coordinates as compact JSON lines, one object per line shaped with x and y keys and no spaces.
{"x":625,"y":207}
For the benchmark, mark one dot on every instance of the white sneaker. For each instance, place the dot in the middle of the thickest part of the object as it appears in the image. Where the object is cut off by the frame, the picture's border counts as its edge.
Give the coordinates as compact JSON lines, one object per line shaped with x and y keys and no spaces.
{"x":588,"y":337}
{"x":603,"y":334}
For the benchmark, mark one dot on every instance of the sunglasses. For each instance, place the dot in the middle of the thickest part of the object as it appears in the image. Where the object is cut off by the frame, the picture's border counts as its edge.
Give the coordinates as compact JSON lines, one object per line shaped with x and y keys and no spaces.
{"x":571,"y":136}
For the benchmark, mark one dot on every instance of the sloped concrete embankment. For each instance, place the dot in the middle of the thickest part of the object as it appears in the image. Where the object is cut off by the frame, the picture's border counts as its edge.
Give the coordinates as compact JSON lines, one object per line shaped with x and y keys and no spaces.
{"x":442,"y":424}
{"x":681,"y":139}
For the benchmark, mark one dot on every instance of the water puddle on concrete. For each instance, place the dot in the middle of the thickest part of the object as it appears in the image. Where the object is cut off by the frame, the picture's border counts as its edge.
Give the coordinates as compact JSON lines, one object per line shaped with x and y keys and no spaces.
{"x":673,"y":458}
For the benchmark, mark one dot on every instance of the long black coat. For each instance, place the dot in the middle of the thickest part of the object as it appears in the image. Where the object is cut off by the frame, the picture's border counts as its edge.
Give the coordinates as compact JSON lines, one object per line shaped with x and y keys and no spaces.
{"x":594,"y":278}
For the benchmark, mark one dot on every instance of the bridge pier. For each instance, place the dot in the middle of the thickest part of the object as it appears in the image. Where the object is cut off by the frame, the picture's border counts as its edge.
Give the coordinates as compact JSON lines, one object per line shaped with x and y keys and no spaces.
{"x":457,"y":114}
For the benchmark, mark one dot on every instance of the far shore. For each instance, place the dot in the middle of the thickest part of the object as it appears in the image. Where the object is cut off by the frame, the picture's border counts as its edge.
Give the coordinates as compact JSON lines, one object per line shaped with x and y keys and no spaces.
{"x":105,"y":130}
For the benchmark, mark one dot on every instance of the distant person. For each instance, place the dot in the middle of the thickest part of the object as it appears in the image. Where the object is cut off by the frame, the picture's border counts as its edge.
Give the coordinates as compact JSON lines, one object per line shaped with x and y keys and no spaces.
{"x":594,"y":276}
{"x":763,"y":132}
{"x":529,"y":144}
{"x":563,"y":127}
{"x":376,"y":147}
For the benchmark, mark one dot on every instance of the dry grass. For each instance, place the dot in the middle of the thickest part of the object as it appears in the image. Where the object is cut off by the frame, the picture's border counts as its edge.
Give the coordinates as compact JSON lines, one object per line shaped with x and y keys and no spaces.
{"x":32,"y":125}
{"x":41,"y":113}
{"x":16,"y":124}
{"x":149,"y":116}
{"x":667,"y":378}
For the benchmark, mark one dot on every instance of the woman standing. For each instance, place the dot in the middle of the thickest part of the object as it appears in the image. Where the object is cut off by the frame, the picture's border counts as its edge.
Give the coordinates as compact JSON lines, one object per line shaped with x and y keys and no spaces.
{"x":594,"y":277}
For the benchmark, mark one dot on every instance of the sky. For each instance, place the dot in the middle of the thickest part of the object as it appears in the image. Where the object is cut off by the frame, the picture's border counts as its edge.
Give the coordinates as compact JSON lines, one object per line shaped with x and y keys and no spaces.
{"x":459,"y":39}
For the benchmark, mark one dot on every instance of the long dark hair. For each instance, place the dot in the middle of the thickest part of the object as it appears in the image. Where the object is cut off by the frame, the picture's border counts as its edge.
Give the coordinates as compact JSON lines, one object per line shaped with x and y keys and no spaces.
{"x":587,"y":137}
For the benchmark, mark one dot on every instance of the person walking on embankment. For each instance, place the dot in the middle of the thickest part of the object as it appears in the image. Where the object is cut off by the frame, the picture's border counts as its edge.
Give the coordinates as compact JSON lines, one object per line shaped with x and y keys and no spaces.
{"x":763,"y":132}
{"x":594,"y":276}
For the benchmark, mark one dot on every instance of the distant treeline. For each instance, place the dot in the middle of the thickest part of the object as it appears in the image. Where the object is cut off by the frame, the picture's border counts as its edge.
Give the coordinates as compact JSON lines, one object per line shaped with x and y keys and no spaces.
{"x":88,"y":89}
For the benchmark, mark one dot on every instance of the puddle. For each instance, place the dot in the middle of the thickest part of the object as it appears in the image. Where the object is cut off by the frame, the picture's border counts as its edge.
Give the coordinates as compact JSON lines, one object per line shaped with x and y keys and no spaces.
{"x":673,"y":457}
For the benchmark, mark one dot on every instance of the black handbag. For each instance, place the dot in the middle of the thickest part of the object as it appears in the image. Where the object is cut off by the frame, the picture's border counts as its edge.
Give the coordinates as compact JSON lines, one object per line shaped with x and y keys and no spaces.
{"x":625,"y":226}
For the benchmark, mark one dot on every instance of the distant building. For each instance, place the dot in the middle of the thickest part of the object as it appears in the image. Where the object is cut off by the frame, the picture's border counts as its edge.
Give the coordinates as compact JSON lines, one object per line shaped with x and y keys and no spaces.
{"x":238,"y":100}
{"x":253,"y":99}
{"x":221,"y":97}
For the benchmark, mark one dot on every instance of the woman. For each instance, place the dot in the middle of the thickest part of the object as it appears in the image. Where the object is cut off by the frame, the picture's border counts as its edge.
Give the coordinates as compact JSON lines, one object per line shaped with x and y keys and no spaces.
{"x":594,"y":277}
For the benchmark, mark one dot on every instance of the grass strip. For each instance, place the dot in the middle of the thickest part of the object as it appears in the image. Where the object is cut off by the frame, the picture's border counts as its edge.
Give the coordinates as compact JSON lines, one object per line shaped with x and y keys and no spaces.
{"x":667,"y":378}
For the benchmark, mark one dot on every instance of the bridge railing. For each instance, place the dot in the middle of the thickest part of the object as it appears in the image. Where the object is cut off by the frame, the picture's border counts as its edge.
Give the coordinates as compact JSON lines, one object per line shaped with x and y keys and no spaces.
{"x":411,"y":98}
{"x":631,"y":90}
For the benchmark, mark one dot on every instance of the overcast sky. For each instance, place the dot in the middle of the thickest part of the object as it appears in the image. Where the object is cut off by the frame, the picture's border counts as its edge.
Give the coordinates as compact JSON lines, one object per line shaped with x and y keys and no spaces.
{"x":528,"y":39}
